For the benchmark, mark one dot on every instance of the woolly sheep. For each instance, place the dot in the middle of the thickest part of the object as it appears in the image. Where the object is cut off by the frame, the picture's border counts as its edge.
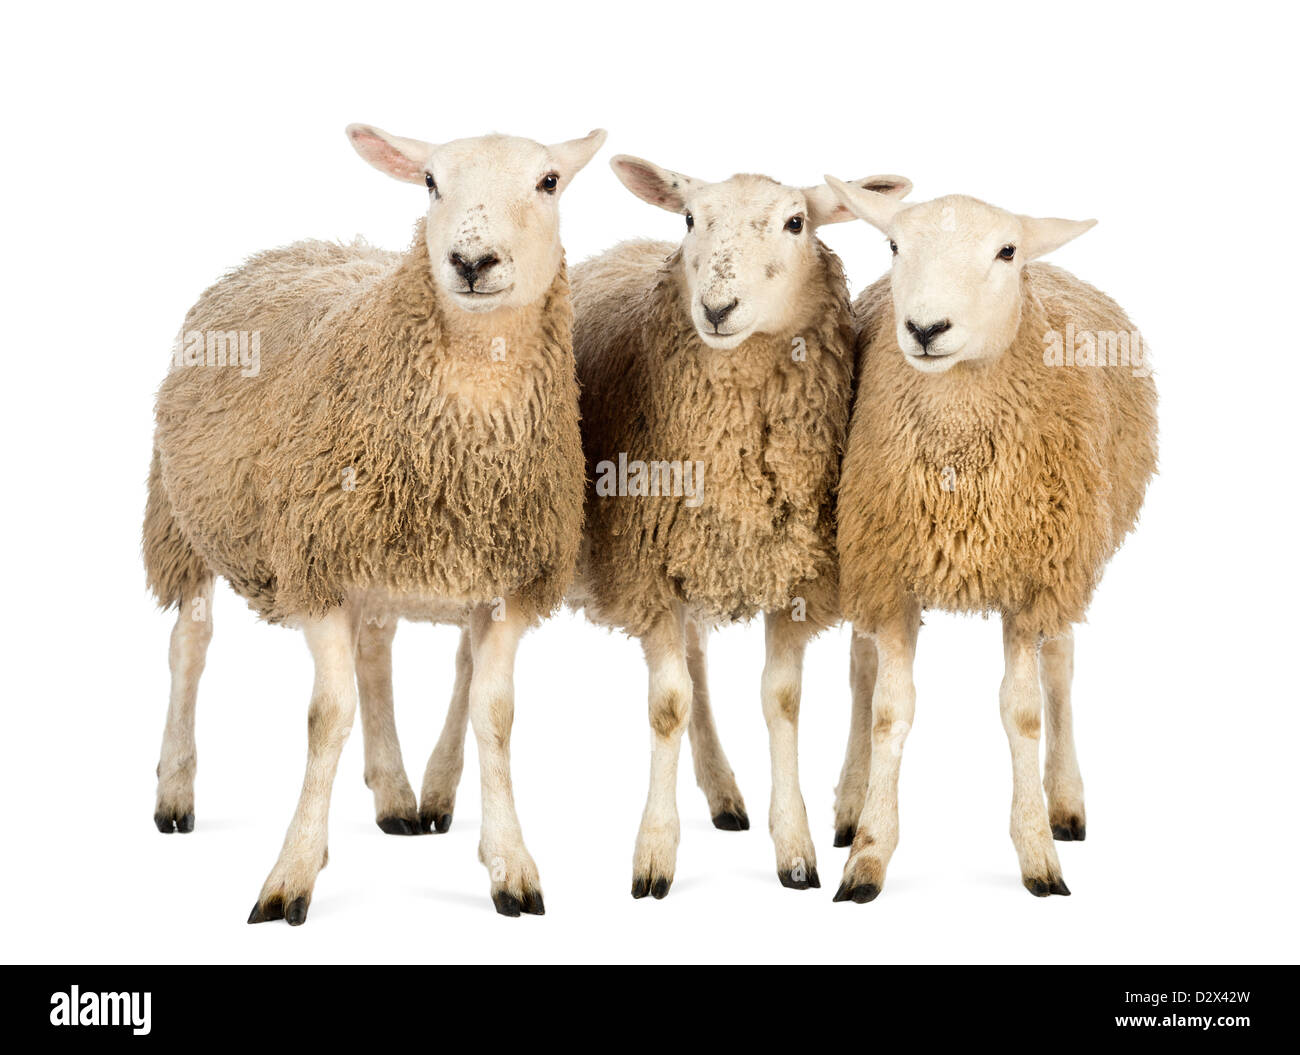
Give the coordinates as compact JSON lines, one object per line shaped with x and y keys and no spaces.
{"x":981,"y":474}
{"x":724,"y":365}
{"x":408,"y":447}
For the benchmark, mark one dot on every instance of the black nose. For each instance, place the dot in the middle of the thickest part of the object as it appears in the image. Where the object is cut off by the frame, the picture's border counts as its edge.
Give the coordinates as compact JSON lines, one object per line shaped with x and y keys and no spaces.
{"x":925,"y":334}
{"x":470,"y":270}
{"x":717,"y":315}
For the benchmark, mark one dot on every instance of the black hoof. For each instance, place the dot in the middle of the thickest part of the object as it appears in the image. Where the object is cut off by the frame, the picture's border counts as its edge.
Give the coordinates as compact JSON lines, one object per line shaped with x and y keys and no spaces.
{"x":508,"y":905}
{"x":399,"y":826}
{"x":169,"y":822}
{"x":844,"y":836}
{"x":1072,"y":831}
{"x":860,"y":894}
{"x":296,"y":914}
{"x":272,"y":910}
{"x":644,"y":886}
{"x":799,"y":879}
{"x":435,"y":823}
{"x":1047,"y":887}
{"x":732,"y":821}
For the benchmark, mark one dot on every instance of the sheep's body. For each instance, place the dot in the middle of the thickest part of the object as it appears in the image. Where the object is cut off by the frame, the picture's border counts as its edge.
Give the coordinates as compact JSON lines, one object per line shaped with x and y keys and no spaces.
{"x":767,"y":426}
{"x":1004,"y":488}
{"x":376,"y":455}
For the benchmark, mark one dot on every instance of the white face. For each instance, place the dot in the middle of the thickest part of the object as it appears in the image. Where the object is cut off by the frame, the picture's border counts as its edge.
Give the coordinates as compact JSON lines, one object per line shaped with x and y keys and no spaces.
{"x":748,"y":249}
{"x":494,"y":226}
{"x":957,"y":269}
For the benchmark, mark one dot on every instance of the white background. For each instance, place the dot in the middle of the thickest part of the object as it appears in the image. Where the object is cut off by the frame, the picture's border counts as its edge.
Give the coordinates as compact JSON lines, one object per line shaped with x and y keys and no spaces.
{"x":147,"y":152}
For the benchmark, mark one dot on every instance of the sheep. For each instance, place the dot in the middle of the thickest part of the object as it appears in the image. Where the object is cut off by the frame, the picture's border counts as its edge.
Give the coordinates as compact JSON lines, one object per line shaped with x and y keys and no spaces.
{"x":986,"y":471}
{"x":407,"y":447}
{"x":715,"y":379}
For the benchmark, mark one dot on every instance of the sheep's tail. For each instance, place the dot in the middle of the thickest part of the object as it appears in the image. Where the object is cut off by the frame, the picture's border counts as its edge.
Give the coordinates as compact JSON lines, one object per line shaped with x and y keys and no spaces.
{"x":175,"y":572}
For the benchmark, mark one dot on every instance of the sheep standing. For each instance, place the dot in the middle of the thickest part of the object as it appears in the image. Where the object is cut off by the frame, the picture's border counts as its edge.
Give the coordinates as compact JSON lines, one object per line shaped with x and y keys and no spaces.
{"x":408,"y":447}
{"x":986,"y":470}
{"x":716,"y":381}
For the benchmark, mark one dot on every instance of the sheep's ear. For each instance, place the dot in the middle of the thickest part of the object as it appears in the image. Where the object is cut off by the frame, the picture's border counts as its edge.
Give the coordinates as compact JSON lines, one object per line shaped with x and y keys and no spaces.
{"x":877,"y":209}
{"x":573,"y":154}
{"x":651,"y":183}
{"x":825,"y":207}
{"x":399,"y":157}
{"x":1047,"y":234}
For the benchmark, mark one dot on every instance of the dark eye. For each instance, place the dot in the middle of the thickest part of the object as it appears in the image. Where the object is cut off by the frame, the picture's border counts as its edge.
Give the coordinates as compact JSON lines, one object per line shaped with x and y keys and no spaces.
{"x":794,"y":224}
{"x":690,"y":222}
{"x":893,"y":247}
{"x":549,"y":182}
{"x":429,"y":182}
{"x":1006,"y":252}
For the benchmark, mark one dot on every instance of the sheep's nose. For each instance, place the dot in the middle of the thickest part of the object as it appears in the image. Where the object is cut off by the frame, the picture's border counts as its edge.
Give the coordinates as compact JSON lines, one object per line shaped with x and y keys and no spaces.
{"x":717,"y":315}
{"x":925,"y":334}
{"x":470,"y":270}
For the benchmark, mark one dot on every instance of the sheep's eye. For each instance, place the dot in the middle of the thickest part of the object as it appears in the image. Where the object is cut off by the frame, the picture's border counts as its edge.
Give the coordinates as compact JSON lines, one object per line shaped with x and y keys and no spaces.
{"x":893,"y":247}
{"x":794,"y":224}
{"x":1007,"y":252}
{"x":549,"y":182}
{"x":690,"y":222}
{"x":429,"y":182}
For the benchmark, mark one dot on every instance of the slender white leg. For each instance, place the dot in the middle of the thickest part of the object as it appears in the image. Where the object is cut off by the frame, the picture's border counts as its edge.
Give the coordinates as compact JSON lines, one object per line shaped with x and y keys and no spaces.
{"x":1022,"y":709}
{"x":286,"y":894}
{"x":515,"y":884}
{"x":712,"y":770}
{"x":174,"y":808}
{"x":796,"y":857}
{"x":655,"y":860}
{"x":395,"y":811}
{"x":1061,"y":780}
{"x":851,"y":792}
{"x":442,"y":775}
{"x":893,"y":707}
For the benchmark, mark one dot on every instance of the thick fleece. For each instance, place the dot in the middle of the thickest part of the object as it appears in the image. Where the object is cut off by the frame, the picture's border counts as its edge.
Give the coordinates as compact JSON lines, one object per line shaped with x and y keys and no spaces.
{"x":1002,"y":487}
{"x":378,"y":450}
{"x":767,"y":420}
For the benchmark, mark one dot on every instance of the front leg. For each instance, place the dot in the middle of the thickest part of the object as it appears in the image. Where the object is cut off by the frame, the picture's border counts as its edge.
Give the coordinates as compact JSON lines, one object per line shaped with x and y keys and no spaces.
{"x":893,"y":706}
{"x":286,"y":894}
{"x":395,"y":811}
{"x":851,"y":791}
{"x":1022,"y":709}
{"x":495,"y":631}
{"x":655,"y":860}
{"x":796,"y":857}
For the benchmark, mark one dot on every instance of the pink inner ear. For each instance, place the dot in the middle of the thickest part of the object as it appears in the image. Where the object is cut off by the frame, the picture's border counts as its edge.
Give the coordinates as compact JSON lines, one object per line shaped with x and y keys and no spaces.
{"x":387,"y":158}
{"x":649,"y":185}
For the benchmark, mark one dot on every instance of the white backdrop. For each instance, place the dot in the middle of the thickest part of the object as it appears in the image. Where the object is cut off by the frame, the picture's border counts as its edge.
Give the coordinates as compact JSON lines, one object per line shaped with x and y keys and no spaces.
{"x":148,"y":152}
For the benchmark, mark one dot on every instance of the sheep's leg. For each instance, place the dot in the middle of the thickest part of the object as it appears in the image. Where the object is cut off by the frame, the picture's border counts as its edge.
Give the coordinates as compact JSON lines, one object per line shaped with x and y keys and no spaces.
{"x":395,"y":811}
{"x":655,"y":859}
{"x":851,"y":792}
{"x":174,"y":807}
{"x":893,"y":707}
{"x":286,"y":894}
{"x":442,"y":775}
{"x":796,"y":857}
{"x":1061,"y":779}
{"x":493,"y":642}
{"x":712,"y":771}
{"x":1021,"y":701}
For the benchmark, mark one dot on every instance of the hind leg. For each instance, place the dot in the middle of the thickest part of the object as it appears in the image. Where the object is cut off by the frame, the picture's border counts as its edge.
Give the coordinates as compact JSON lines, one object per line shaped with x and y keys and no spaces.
{"x":851,"y":792}
{"x":174,"y":808}
{"x":442,"y":774}
{"x":712,"y":771}
{"x":1061,"y":779}
{"x":395,"y":811}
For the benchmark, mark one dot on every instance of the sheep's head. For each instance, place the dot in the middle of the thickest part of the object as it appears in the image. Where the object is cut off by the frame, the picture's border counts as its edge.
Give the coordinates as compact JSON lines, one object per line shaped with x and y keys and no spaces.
{"x":494,"y":225}
{"x":957,"y":267}
{"x":749,"y":247}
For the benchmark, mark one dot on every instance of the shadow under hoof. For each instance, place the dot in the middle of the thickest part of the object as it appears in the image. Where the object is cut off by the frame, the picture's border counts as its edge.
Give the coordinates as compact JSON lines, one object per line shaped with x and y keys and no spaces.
{"x":400,"y":826}
{"x":732,"y":821}
{"x":1071,"y":830}
{"x":799,"y":879}
{"x":169,"y":822}
{"x":646,"y":886}
{"x":859,"y":894}
{"x":1047,"y":887}
{"x":530,"y":904}
{"x":435,"y":823}
{"x":844,"y":836}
